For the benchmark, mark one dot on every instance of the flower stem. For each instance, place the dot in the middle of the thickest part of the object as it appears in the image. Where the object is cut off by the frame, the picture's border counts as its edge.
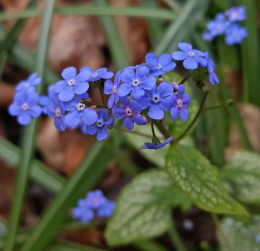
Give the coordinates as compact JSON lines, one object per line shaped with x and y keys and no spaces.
{"x":186,"y":77}
{"x":163,"y":130}
{"x":102,"y":97}
{"x":194,"y":120}
{"x":175,"y":238}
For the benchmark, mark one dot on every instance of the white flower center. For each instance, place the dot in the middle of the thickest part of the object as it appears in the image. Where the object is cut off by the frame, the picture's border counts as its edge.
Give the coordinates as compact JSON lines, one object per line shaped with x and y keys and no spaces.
{"x":80,"y":107}
{"x":159,"y":66}
{"x":179,"y":103}
{"x":94,"y":74}
{"x":71,"y":82}
{"x":27,"y":84}
{"x":114,"y":89}
{"x":25,"y":106}
{"x":191,"y":54}
{"x":135,"y":82}
{"x":156,"y":98}
{"x":100,"y":123}
{"x":128,"y":111}
{"x":58,"y":112}
{"x":235,"y":15}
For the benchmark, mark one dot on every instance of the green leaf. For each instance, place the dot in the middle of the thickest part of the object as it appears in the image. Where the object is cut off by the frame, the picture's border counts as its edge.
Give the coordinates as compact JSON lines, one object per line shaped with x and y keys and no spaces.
{"x":182,"y":26}
{"x":234,"y":235}
{"x":199,"y":180}
{"x":28,"y":137}
{"x":243,"y":176}
{"x":143,"y":209}
{"x":3,"y":228}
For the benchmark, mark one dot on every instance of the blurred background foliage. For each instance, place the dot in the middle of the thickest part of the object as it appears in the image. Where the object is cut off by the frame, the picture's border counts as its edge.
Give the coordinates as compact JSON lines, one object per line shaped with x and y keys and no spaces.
{"x":115,"y":34}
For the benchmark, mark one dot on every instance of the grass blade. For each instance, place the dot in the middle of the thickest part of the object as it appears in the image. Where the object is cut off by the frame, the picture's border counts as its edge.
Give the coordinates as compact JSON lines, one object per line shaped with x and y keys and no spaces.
{"x":89,"y":10}
{"x":11,"y":154}
{"x":184,"y":24}
{"x":28,"y":138}
{"x":70,"y":246}
{"x":116,"y":46}
{"x":149,"y":245}
{"x":83,"y":179}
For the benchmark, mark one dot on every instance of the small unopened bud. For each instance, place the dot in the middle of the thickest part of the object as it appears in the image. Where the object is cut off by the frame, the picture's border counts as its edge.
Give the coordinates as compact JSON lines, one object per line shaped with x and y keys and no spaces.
{"x":175,"y":86}
{"x":230,"y":102}
{"x":145,"y":121}
{"x":161,"y":79}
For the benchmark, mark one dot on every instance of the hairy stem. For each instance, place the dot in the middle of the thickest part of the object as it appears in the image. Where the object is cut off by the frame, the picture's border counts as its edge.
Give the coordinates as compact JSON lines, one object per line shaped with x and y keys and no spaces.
{"x":194,"y":120}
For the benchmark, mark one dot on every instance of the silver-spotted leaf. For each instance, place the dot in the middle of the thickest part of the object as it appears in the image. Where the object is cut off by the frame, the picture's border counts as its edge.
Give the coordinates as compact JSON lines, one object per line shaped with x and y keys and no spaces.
{"x":234,"y":235}
{"x":242,"y":176}
{"x":199,"y":180}
{"x":143,"y":208}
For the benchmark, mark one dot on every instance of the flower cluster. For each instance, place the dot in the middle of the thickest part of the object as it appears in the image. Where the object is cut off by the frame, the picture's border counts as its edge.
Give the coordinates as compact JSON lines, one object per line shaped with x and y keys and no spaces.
{"x":95,"y":203}
{"x":138,"y":95}
{"x":227,"y":23}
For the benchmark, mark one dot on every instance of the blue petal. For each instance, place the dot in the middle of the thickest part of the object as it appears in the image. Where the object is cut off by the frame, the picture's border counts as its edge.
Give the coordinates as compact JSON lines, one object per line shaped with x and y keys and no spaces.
{"x":169,"y":67}
{"x":179,"y":55}
{"x":186,"y":100}
{"x":35,"y":111}
{"x":174,"y":113}
{"x":111,"y":101}
{"x":185,"y":47}
{"x":109,"y":123}
{"x":139,"y":119}
{"x":103,"y":113}
{"x":128,"y":123}
{"x":107,"y":75}
{"x":108,"y":87}
{"x":190,"y":63}
{"x":60,"y":86}
{"x":14,"y":109}
{"x":81,"y":88}
{"x":148,"y":83}
{"x":72,"y":118}
{"x":69,"y":73}
{"x":184,"y":113}
{"x":127,"y":75}
{"x":165,"y":59}
{"x":91,"y":130}
{"x":151,"y":58}
{"x":89,"y":116}
{"x":124,"y":89}
{"x":83,"y":76}
{"x":59,"y":124}
{"x":181,"y":90}
{"x":44,"y":100}
{"x":118,"y":112}
{"x":142,"y":72}
{"x":32,"y":98}
{"x":24,"y":118}
{"x":144,"y":102}
{"x":136,"y":107}
{"x":67,"y":94}
{"x":137,"y":93}
{"x":165,"y":89}
{"x":156,"y":112}
{"x":102,"y":134}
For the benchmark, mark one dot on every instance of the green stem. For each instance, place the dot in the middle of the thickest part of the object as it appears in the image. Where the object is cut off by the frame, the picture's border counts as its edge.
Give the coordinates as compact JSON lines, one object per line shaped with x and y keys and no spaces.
{"x":102,"y":97}
{"x":176,"y":240}
{"x":185,"y":79}
{"x":194,"y":120}
{"x":28,"y":138}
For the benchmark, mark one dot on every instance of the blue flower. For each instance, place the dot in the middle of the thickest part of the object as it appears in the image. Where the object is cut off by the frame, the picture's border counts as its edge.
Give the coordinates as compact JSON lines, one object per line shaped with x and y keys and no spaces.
{"x":207,"y":36}
{"x":82,"y":212}
{"x":135,"y":82}
{"x":111,"y":88}
{"x":45,"y":101}
{"x":192,"y":58}
{"x":180,"y":104}
{"x":106,"y":210}
{"x":130,"y":112}
{"x":24,"y":106}
{"x":56,"y":110}
{"x":211,"y":68}
{"x":235,"y":34}
{"x":29,"y":84}
{"x":72,"y":83}
{"x":98,"y":74}
{"x":236,"y":14}
{"x":101,"y":124}
{"x":218,"y":26}
{"x":79,"y":114}
{"x":95,"y":199}
{"x":159,"y":67}
{"x":149,"y":145}
{"x":158,"y":100}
